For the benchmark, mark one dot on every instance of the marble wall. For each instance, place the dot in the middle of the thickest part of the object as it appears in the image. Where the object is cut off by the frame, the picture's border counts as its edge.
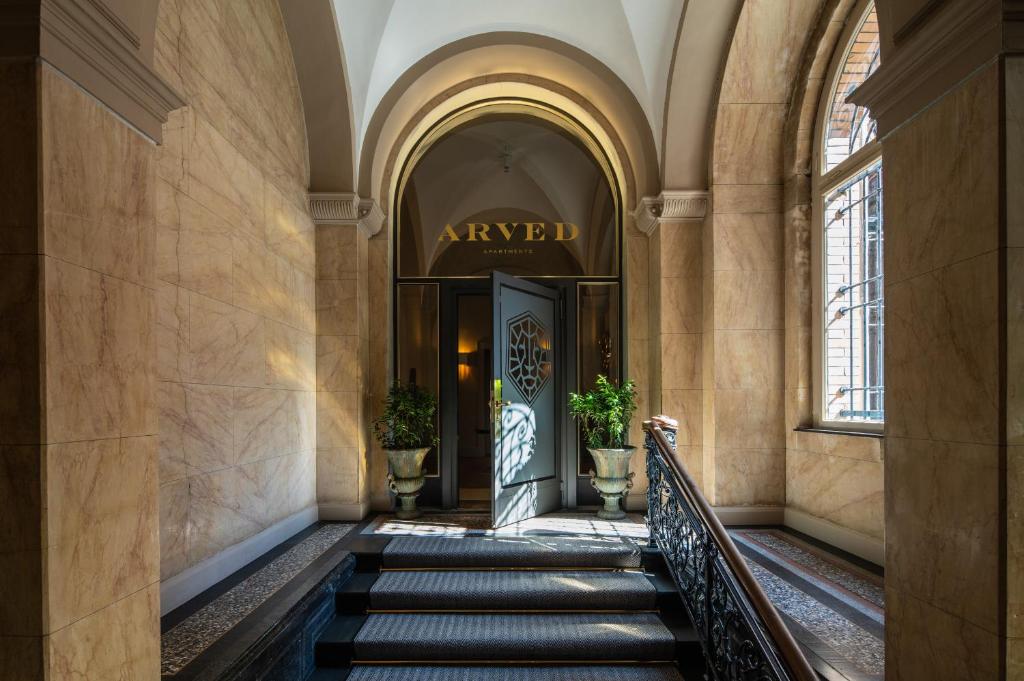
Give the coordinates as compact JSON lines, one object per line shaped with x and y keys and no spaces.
{"x":235,"y":282}
{"x":743,"y":377}
{"x":342,"y":355}
{"x":79,"y":451}
{"x":946,"y":414}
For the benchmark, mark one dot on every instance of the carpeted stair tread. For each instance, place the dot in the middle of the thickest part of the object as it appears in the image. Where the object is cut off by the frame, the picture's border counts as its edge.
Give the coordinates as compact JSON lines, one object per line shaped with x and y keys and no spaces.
{"x":511,"y":552}
{"x":660,"y":672}
{"x":513,"y":590}
{"x":503,"y":636}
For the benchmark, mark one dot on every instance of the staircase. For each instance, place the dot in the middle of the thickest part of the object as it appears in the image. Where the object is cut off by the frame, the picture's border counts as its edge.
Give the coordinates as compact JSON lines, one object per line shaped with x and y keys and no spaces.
{"x":509,"y":608}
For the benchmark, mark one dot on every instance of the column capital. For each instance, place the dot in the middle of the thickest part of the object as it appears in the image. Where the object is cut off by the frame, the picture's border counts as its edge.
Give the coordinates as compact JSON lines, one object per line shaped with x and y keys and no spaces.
{"x":671,"y":205}
{"x":346,"y":208}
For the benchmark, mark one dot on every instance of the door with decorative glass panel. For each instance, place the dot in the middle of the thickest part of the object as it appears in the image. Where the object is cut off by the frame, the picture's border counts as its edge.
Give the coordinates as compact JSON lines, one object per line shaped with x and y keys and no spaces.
{"x":524,"y":402}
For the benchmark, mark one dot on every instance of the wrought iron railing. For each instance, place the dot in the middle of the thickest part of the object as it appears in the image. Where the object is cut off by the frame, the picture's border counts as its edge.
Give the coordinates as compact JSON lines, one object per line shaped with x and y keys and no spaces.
{"x":742,"y":635}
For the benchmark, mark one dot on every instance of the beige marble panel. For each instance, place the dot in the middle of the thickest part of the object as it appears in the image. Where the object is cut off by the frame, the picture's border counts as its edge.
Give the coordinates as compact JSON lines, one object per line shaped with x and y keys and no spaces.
{"x":338,"y":365}
{"x":101,"y":526}
{"x":290,"y":230}
{"x":864,"y":448}
{"x":927,"y":643}
{"x":681,"y":305}
{"x":172,"y":303}
{"x":749,"y":419}
{"x":942,"y":552}
{"x":748,"y":300}
{"x":1014,"y":122}
{"x":193,"y":245}
{"x":845,"y":491}
{"x":120,"y":641}
{"x":337,"y":475}
{"x":227,"y":345}
{"x":750,"y":477}
{"x":174,"y":527}
{"x":1015,"y":542}
{"x":948,"y":318}
{"x":798,"y":357}
{"x":195,"y":429}
{"x":272,"y":422}
{"x":685,"y":406}
{"x":223,"y":181}
{"x":175,"y":149}
{"x":748,"y":242}
{"x":337,"y":420}
{"x":748,"y":143}
{"x":337,"y":254}
{"x":748,"y":359}
{"x":97,"y":184}
{"x":101,"y":355}
{"x":336,"y":309}
{"x":223,"y":510}
{"x":962,"y":220}
{"x":746,"y":198}
{"x":762,"y":57}
{"x":291,"y":357}
{"x":681,"y":361}
{"x":286,"y":485}
{"x":681,"y":248}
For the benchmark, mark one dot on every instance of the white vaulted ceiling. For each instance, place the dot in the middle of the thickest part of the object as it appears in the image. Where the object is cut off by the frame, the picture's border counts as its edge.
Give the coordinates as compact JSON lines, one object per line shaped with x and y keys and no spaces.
{"x":383,"y":38}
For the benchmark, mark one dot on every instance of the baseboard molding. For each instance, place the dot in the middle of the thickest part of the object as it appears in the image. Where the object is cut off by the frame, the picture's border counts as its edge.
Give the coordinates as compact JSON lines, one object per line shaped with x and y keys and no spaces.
{"x":188,"y":584}
{"x":749,"y":515}
{"x":851,"y":541}
{"x":344,"y":511}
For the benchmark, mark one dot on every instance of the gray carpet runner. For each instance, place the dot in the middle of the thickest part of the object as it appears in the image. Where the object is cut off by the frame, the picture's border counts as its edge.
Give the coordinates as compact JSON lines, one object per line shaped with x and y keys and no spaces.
{"x":495,"y":637}
{"x":563,"y":673}
{"x":511,"y":552}
{"x":513,"y":590}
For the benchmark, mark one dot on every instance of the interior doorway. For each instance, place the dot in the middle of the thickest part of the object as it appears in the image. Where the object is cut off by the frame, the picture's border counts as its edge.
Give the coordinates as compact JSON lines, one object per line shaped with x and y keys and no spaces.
{"x":473,"y":414}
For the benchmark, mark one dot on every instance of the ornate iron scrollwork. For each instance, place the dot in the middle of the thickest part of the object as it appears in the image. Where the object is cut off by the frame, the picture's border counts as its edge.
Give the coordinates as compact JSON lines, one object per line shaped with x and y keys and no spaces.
{"x":736,"y":647}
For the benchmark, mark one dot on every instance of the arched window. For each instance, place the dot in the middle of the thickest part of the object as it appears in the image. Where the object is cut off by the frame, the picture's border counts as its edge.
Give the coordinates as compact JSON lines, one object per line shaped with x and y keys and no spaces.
{"x":848,"y":301}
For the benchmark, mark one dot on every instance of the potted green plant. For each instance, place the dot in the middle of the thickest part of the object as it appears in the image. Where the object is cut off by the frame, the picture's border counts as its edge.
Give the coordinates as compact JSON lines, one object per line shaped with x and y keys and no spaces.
{"x":604,"y":414}
{"x":406,"y":431}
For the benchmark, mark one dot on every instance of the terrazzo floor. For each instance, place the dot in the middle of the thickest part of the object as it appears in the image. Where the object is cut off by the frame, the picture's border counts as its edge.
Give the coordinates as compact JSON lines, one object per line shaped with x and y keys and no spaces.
{"x":183,"y":642}
{"x":833,"y":608}
{"x":479,"y":525}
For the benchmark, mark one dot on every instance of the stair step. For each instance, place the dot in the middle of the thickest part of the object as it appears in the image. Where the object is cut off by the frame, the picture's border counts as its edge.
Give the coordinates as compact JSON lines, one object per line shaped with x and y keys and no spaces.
{"x":498,"y":636}
{"x":334,"y":647}
{"x":511,"y":552}
{"x":513,"y":590}
{"x":660,"y":672}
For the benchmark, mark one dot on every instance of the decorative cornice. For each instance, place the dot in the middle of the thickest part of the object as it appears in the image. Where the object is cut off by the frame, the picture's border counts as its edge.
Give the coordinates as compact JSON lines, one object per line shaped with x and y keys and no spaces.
{"x":346,"y":209}
{"x":677,"y":205}
{"x":76,"y":38}
{"x":943,"y":49}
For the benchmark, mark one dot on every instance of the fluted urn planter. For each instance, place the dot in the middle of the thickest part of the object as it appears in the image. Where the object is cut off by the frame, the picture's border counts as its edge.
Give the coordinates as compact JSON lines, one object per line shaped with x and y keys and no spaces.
{"x":406,"y":479}
{"x":612,"y":479}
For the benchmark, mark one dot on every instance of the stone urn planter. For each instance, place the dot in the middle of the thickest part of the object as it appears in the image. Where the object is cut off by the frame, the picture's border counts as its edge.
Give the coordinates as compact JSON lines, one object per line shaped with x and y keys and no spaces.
{"x":406,"y":479}
{"x":406,"y":431}
{"x":612,"y":479}
{"x":604,"y":413}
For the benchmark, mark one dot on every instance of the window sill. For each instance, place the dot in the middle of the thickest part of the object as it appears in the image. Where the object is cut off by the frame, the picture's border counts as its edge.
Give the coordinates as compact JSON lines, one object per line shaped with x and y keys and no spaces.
{"x":836,"y":431}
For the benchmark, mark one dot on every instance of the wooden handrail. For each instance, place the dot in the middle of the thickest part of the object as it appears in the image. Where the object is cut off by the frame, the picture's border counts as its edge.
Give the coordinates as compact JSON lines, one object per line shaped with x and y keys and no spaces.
{"x":797,"y":665}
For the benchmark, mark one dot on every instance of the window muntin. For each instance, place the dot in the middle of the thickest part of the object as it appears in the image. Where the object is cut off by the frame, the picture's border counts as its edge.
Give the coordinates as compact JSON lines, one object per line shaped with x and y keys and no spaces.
{"x":850,"y":297}
{"x":854,"y":302}
{"x":850,"y":127}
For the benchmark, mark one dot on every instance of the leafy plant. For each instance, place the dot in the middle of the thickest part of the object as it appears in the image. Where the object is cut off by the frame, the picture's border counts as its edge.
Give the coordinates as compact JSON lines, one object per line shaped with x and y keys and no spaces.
{"x":604,"y":413}
{"x":408,"y":418}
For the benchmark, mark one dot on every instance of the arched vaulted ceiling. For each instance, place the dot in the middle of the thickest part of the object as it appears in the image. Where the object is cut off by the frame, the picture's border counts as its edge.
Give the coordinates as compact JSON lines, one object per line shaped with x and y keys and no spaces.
{"x":384,"y":39}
